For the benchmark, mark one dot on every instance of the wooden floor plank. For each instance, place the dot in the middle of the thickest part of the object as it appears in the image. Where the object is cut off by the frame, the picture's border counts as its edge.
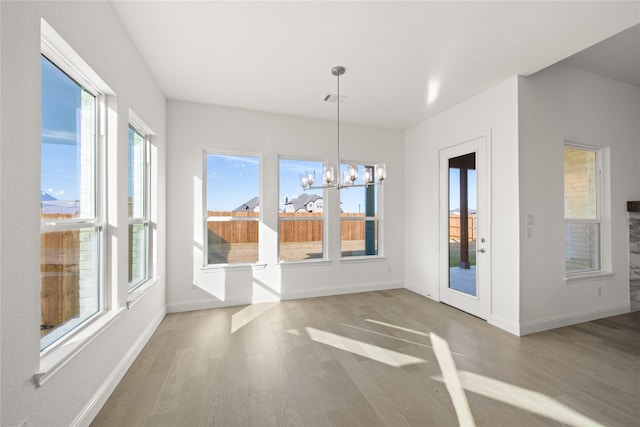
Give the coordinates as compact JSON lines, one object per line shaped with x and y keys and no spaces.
{"x":366,"y":360}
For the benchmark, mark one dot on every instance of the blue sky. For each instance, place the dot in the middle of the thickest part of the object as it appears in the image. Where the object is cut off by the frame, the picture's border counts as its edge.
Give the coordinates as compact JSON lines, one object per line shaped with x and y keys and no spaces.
{"x":454,"y":189}
{"x":234,"y":180}
{"x":60,"y":101}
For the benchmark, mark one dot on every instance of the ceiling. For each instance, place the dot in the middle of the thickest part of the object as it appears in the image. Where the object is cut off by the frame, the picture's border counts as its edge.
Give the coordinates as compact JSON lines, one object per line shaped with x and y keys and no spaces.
{"x":405,"y":61}
{"x":617,"y":57}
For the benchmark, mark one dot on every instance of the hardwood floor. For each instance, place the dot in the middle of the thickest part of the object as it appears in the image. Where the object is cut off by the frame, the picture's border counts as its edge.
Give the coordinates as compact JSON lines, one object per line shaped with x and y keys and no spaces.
{"x":388,"y":358}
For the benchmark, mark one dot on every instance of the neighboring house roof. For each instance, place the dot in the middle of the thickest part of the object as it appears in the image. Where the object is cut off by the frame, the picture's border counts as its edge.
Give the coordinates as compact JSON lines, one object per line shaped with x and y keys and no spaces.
{"x":51,"y":205}
{"x":457,"y":211}
{"x":249,"y":206}
{"x":46,"y":197}
{"x":302,"y":201}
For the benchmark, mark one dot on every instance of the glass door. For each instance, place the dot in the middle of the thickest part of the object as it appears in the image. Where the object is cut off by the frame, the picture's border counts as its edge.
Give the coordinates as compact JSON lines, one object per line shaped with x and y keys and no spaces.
{"x":464,"y":227}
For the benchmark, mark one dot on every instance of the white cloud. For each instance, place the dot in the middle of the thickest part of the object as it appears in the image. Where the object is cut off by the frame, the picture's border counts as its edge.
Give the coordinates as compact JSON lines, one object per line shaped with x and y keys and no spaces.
{"x":59,"y":135}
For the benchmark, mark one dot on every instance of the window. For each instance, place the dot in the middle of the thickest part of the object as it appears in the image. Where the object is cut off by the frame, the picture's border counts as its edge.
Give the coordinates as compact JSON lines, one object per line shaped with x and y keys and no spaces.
{"x":71,"y":220}
{"x":138,"y":202}
{"x":233,"y":209}
{"x":582,"y":209}
{"x":301,"y":214}
{"x":359,"y":219}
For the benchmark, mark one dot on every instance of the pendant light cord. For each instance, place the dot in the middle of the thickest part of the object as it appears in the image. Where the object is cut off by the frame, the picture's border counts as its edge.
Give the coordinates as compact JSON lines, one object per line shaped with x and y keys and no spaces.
{"x":338,"y":171}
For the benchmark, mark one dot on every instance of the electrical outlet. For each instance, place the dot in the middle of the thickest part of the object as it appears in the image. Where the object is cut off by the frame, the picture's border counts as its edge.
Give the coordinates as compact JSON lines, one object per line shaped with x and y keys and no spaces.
{"x":599,"y":291}
{"x":389,"y":270}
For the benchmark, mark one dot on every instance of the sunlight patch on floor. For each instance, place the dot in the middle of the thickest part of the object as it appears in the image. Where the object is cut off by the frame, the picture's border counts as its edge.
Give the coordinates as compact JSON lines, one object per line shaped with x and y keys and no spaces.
{"x":386,"y":336}
{"x":248,"y":314}
{"x":523,"y":398}
{"x":452,"y":380}
{"x":370,"y":351}
{"x":400,"y":328}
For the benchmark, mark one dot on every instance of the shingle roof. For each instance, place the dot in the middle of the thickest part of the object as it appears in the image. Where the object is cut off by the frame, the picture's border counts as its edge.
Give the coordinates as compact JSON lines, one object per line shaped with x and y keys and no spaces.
{"x":248,"y":206}
{"x":302,"y":200}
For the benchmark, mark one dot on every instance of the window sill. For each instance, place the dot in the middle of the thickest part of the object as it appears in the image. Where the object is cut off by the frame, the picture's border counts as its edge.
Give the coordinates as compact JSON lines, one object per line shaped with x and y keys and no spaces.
{"x":51,"y":361}
{"x":588,"y":277}
{"x":141,"y":290}
{"x":232,"y":267}
{"x":366,"y":258}
{"x":303,"y":264}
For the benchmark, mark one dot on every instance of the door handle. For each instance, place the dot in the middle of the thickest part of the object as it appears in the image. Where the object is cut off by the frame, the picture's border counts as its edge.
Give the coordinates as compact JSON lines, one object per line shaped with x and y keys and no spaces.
{"x":482,"y":250}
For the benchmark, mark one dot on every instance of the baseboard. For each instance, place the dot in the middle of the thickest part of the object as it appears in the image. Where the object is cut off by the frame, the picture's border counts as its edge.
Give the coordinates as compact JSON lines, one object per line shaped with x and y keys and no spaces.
{"x":287,"y":295}
{"x":206,"y":304}
{"x":559,"y":321}
{"x":504,"y":324}
{"x":421,"y":290}
{"x":91,"y":409}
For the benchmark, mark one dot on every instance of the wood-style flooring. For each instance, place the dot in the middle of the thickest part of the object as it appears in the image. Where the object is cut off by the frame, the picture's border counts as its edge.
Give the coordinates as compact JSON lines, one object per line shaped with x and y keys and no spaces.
{"x":387,"y":358}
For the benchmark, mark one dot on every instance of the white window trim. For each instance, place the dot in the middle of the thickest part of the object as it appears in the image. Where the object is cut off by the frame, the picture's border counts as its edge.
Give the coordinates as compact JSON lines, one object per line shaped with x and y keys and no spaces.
{"x":145,"y":132}
{"x":259,"y":263}
{"x":603,"y":194}
{"x":56,"y":355}
{"x":61,"y":333}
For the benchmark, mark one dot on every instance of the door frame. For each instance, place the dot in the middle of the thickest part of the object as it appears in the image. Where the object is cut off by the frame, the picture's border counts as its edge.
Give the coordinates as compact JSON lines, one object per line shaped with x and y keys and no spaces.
{"x":479,"y":305}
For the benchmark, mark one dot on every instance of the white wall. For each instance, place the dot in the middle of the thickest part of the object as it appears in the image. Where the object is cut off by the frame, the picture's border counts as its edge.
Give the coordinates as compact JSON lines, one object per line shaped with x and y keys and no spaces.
{"x":558,"y":103}
{"x":194,"y":128}
{"x":495,"y":110}
{"x":75,"y":392}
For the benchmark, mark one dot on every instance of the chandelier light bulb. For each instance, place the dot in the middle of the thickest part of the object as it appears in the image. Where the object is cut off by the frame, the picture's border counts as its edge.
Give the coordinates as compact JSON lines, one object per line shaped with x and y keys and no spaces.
{"x":381,"y":171}
{"x":328,"y":174}
{"x":352,"y":171}
{"x":368,"y":175}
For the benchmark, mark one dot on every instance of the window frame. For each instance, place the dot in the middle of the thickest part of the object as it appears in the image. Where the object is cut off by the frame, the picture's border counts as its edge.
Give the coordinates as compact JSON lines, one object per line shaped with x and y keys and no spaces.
{"x":378,"y":219}
{"x":603,"y":213}
{"x":325,"y":227}
{"x":65,"y":331}
{"x":134,"y":124}
{"x":207,"y":218}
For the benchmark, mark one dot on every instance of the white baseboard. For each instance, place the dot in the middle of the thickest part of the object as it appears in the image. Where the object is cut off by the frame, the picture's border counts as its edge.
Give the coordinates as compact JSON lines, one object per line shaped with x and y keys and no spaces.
{"x":559,"y":321}
{"x":504,"y":324}
{"x":422,"y":290}
{"x":414,"y":287}
{"x":289,"y":295}
{"x":91,"y":409}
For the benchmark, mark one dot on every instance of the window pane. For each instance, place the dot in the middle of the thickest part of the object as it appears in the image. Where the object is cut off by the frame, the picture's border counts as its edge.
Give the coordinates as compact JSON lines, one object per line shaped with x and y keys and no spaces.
{"x":359,"y":200}
{"x":233,"y":188}
{"x":232,"y":184}
{"x":359,"y":238}
{"x":233,"y":241}
{"x":69,"y":269}
{"x":301,"y":212}
{"x":68,"y":147}
{"x":580,"y":174}
{"x":292,"y":197}
{"x":582,"y":247}
{"x":301,"y":239}
{"x":137,"y":254}
{"x":137,"y":178}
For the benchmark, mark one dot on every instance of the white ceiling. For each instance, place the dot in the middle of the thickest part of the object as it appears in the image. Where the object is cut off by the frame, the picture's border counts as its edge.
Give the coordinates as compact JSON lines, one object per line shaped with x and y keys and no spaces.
{"x":617,"y":57}
{"x":405,"y":61}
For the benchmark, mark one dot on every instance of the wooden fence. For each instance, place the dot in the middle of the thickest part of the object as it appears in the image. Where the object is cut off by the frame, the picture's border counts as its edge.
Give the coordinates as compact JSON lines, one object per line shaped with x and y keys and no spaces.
{"x":59,"y":271}
{"x":305,"y":230}
{"x":454,"y":227}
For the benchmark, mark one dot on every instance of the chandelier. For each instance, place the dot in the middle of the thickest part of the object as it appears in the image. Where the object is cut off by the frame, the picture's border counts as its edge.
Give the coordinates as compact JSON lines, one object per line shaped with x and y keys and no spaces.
{"x":372,"y":174}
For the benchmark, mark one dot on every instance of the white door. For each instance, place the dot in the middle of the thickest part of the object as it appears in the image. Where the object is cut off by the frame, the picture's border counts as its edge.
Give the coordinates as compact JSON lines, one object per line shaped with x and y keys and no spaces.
{"x":464,"y":226}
